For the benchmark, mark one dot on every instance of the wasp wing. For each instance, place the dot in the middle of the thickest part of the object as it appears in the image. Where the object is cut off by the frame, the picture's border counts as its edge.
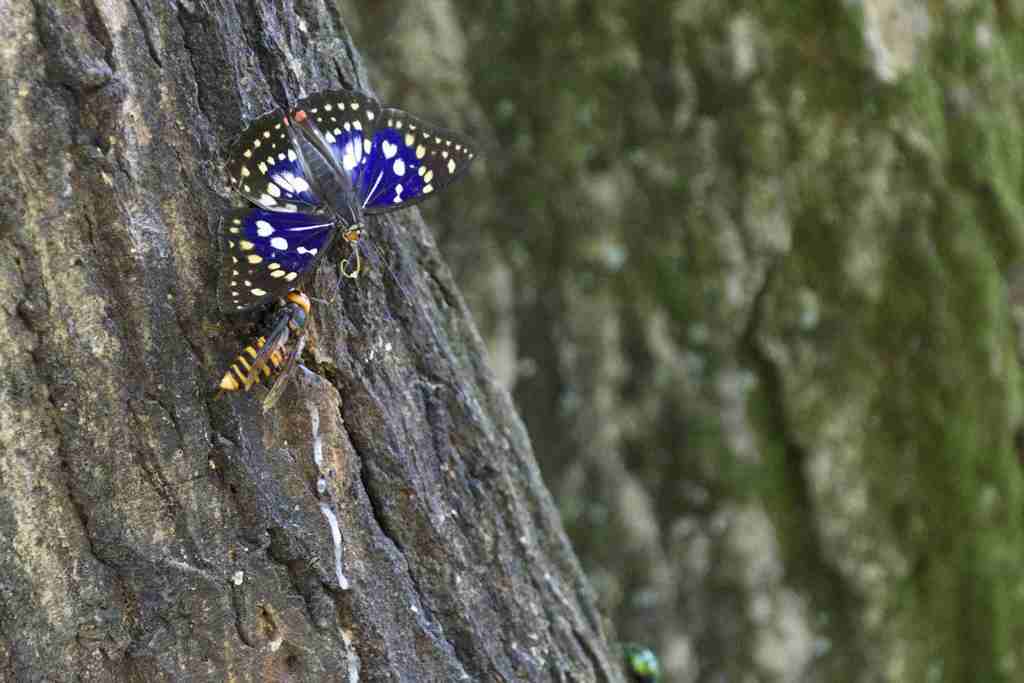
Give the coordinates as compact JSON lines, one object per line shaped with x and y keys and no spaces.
{"x":275,"y":342}
{"x":287,"y":370}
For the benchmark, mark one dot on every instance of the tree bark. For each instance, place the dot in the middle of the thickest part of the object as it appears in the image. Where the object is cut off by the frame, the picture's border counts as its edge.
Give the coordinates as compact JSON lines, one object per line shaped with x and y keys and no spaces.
{"x":764,"y":312}
{"x":154,"y":533}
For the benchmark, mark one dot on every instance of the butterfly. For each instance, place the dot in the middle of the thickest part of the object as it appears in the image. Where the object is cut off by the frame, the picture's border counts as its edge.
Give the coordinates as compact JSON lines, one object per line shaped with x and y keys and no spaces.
{"x":312,"y":174}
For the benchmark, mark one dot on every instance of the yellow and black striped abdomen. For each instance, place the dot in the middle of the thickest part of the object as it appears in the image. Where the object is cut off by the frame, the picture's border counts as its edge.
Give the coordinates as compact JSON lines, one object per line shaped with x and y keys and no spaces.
{"x":237,"y":376}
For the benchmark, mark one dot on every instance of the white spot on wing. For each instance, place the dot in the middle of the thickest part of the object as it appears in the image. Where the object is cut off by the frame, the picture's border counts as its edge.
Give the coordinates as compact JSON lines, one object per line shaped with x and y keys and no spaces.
{"x":398,"y":167}
{"x":389,"y":149}
{"x":348,"y":160}
{"x":279,"y":243}
{"x":282,"y":179}
{"x":264,"y":229}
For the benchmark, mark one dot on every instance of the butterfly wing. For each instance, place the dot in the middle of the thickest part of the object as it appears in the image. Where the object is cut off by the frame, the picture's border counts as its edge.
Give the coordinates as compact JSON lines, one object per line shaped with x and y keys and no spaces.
{"x":266,"y":253}
{"x":264,"y":166}
{"x":344,"y":120}
{"x":408,"y":161}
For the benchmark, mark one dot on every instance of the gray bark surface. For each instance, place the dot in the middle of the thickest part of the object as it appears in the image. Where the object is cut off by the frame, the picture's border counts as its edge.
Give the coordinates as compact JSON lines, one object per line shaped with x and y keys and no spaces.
{"x":153,"y":533}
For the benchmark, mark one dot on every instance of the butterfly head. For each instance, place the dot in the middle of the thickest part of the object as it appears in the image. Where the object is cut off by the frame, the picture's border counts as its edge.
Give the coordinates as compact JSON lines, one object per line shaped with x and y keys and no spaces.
{"x":353,"y":234}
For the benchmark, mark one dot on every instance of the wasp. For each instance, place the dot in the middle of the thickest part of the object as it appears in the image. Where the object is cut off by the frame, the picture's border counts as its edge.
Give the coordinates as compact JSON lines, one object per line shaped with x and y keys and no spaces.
{"x":276,"y":353}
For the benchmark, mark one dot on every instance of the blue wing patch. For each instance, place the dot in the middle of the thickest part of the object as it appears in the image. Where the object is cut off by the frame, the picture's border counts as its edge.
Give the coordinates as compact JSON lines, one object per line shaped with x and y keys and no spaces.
{"x":266,"y":253}
{"x":345,"y":120}
{"x":407,"y":161}
{"x":390,"y":173}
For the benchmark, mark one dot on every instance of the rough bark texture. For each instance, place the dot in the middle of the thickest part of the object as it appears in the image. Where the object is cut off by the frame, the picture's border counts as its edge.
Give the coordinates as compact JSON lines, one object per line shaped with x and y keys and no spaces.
{"x":753,"y":273}
{"x":152,"y":533}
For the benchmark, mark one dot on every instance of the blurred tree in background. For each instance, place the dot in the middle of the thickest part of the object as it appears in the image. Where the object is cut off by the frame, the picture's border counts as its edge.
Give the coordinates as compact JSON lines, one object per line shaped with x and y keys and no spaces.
{"x":752,"y":273}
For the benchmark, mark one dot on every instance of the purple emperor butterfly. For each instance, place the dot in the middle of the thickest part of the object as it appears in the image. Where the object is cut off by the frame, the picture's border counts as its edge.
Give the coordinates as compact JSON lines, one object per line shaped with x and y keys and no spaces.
{"x":313,"y":174}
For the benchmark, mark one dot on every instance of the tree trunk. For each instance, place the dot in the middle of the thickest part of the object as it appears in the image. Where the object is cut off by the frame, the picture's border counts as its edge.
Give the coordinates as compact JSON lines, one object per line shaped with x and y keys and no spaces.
{"x":763,"y":299}
{"x":155,"y":533}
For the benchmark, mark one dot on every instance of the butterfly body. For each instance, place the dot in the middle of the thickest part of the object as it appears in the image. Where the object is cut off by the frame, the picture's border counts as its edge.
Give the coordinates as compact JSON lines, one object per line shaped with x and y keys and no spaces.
{"x":312,"y":174}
